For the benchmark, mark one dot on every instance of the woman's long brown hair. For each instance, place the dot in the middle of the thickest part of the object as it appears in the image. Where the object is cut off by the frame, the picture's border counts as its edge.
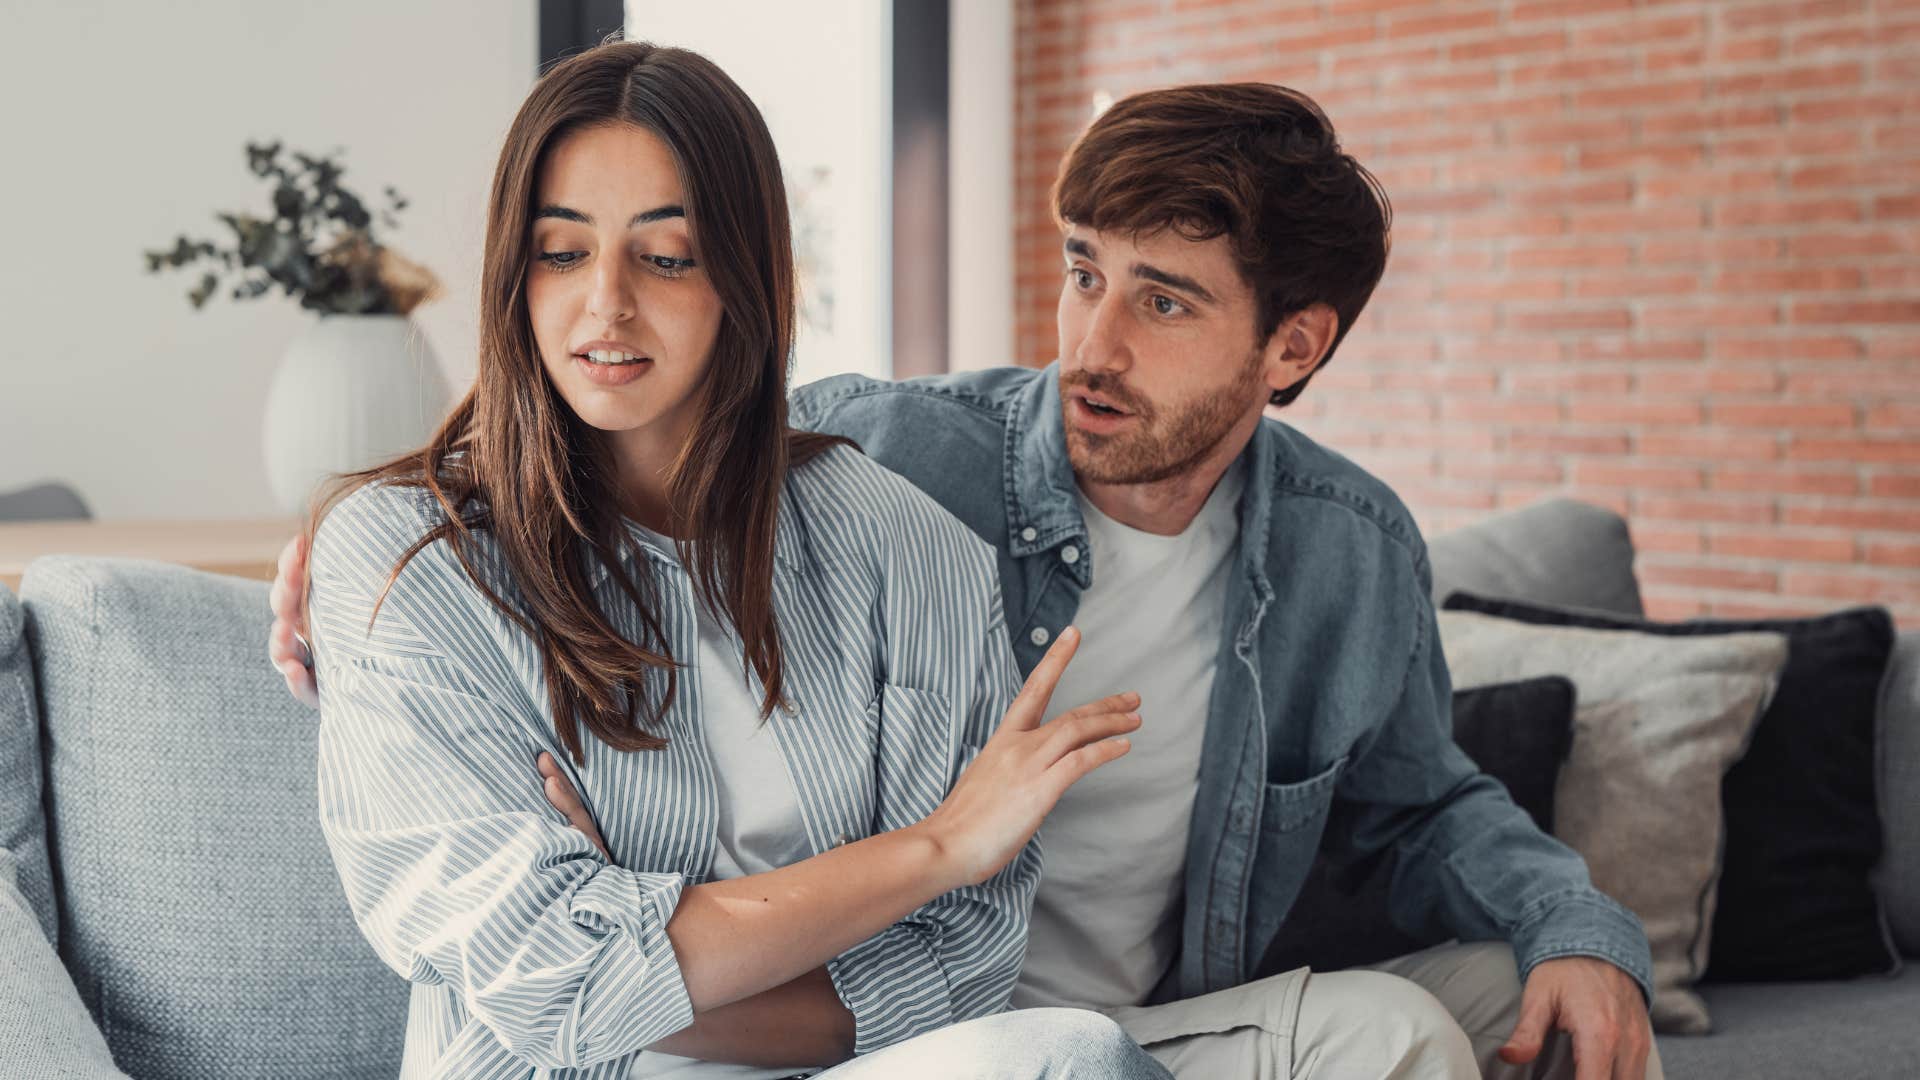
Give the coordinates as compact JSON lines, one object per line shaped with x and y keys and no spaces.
{"x":512,"y":458}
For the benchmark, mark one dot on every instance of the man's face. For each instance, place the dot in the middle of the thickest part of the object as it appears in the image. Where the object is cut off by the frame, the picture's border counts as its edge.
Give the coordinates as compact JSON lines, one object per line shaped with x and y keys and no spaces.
{"x":1158,"y":360}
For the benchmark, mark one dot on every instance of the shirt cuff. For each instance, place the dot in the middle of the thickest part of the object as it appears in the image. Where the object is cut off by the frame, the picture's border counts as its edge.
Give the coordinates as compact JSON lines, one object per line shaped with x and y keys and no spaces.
{"x":635,"y":994}
{"x":894,"y":986}
{"x":1585,"y":923}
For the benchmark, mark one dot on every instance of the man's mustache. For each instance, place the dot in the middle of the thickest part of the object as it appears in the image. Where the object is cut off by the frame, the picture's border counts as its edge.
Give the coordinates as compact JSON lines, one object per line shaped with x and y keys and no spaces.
{"x":1107,"y":387}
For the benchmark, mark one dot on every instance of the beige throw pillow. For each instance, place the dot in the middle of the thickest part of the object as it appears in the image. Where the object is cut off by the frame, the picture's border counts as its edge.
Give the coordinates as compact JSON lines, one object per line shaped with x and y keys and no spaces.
{"x":1657,"y":722}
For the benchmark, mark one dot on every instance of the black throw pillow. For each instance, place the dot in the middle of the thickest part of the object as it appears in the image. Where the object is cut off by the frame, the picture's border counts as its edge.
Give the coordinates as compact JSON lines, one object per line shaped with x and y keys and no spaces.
{"x":1796,"y":899}
{"x":1519,"y":733}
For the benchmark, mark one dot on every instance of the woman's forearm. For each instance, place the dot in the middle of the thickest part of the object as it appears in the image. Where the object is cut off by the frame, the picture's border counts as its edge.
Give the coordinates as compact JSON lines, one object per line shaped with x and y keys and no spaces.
{"x":800,"y":1023}
{"x":739,"y":937}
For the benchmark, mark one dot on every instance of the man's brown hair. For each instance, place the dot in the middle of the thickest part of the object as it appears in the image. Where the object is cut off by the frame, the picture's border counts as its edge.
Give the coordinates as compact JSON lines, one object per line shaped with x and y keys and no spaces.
{"x":1256,"y":163}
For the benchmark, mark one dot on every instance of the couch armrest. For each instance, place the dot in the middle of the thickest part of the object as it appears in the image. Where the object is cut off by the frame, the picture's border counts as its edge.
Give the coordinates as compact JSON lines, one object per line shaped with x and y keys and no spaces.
{"x":1899,"y":790}
{"x":44,"y":1028}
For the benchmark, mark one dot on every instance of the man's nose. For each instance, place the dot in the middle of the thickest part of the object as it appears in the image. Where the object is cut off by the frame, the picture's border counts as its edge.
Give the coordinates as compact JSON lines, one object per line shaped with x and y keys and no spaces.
{"x":1104,"y":346}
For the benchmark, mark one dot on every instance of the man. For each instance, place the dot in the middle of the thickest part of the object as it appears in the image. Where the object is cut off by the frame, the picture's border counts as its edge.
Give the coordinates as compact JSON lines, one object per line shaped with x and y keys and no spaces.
{"x":1270,"y":602}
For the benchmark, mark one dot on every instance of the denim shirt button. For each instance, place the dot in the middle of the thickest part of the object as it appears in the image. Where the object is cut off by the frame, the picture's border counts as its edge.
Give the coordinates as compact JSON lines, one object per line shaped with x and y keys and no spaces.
{"x":1070,"y":554}
{"x":1039,"y":635}
{"x":1029,"y":534}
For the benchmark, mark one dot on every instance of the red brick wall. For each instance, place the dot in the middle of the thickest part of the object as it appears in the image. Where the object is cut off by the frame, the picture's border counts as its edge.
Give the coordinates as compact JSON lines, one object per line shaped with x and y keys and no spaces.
{"x":1659,"y":256}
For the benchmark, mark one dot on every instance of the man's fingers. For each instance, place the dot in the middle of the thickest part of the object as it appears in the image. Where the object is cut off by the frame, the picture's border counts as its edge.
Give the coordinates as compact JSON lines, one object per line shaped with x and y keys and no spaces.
{"x":1524,"y":1044}
{"x":1630,"y":1055}
{"x":300,"y":683}
{"x":286,"y":574}
{"x":1031,"y":704}
{"x":286,"y":598}
{"x":289,"y":555}
{"x":1592,"y":1053}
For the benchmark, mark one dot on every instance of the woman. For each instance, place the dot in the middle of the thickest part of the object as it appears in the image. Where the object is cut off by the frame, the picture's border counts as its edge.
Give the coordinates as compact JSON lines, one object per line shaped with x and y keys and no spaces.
{"x":789,"y":662}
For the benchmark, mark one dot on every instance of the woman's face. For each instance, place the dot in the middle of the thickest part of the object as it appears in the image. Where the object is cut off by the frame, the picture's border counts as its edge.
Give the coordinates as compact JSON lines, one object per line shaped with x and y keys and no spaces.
{"x":623,"y":313}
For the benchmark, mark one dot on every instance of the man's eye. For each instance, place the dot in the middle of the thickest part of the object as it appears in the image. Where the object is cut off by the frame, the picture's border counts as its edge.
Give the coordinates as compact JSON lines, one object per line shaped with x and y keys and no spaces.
{"x":1167,"y":305}
{"x":1081,"y":278}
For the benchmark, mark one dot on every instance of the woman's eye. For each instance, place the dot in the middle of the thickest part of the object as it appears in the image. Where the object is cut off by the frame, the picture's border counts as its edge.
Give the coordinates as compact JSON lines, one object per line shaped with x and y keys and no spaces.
{"x":669,"y":265}
{"x":561,"y":260}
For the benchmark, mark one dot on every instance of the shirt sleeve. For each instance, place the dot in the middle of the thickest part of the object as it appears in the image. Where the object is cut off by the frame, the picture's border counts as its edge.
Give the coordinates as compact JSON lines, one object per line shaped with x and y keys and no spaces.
{"x":957,"y":957}
{"x":1471,"y":863}
{"x":457,"y":870}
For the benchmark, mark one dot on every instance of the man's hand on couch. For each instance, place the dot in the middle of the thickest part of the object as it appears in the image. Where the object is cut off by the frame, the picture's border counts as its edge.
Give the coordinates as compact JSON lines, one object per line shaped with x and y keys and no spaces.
{"x":286,"y":643}
{"x":1598,"y":1005}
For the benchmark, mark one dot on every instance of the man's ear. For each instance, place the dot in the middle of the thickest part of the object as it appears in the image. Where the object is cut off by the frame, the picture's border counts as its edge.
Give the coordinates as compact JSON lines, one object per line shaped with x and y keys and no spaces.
{"x":1298,"y":345}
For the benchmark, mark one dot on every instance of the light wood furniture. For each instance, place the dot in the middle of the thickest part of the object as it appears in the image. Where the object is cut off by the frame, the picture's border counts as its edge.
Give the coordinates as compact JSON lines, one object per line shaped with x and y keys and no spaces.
{"x":245,"y":548}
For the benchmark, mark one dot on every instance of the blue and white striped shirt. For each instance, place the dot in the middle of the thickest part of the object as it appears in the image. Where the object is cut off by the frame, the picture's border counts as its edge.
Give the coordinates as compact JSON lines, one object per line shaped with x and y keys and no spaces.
{"x":529,"y":954}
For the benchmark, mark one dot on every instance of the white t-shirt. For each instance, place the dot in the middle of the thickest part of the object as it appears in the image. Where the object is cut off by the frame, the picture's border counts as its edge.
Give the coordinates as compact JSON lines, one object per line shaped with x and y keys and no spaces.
{"x":760,"y":824}
{"x":1106,"y":920}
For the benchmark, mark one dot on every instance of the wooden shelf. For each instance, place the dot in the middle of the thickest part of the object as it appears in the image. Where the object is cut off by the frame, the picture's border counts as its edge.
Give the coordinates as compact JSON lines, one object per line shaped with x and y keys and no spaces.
{"x":248,"y":548}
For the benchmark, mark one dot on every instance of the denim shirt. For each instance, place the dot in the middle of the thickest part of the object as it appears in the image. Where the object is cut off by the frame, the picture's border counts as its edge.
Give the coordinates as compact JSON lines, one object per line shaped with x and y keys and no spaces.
{"x":1330,"y":724}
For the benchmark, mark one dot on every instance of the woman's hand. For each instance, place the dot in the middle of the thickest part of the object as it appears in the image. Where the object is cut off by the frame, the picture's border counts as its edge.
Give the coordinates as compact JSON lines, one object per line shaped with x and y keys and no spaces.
{"x":562,"y":797}
{"x":999,"y":801}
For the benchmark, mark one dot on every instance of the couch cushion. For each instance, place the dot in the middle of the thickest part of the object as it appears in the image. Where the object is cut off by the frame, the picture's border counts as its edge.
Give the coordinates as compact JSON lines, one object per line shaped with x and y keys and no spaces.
{"x":1899,"y":788}
{"x":23,"y":827}
{"x":1860,"y":1029}
{"x":1657,"y":725}
{"x":1560,"y":552}
{"x":201,"y":916}
{"x":44,"y":1030}
{"x":1803,"y":832}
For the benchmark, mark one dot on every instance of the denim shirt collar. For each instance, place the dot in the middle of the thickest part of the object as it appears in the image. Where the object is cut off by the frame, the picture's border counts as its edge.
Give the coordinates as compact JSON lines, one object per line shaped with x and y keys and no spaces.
{"x":1042,"y":495}
{"x":1042,"y":504}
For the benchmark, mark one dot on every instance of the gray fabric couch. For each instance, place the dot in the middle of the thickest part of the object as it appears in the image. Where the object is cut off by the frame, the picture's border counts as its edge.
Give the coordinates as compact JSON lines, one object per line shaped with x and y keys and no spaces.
{"x":168,"y":908}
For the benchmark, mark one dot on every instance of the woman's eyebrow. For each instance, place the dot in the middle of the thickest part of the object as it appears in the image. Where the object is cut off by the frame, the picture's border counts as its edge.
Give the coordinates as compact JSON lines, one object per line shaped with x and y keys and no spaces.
{"x":567,"y":213}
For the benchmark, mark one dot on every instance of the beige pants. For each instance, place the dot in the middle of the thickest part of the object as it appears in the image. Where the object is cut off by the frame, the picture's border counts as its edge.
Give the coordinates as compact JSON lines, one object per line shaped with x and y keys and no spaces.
{"x":1440,"y":1013}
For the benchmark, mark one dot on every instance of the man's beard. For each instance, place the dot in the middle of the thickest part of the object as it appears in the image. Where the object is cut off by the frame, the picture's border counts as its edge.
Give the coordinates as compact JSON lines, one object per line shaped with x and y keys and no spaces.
{"x":1159,"y":447}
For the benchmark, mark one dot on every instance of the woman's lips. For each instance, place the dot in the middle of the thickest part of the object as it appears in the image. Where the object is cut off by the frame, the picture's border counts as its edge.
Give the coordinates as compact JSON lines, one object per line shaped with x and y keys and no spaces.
{"x":612,"y":374}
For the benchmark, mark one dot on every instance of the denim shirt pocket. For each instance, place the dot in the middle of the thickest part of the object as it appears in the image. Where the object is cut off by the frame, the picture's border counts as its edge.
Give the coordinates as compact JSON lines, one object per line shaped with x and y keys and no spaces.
{"x":1292,"y":817}
{"x":1288,"y":807}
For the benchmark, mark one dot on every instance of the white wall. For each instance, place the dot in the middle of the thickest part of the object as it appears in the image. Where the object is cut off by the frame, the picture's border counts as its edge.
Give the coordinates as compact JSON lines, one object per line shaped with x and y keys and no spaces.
{"x":124,"y":126}
{"x":820,"y":73}
{"x":980,"y":267}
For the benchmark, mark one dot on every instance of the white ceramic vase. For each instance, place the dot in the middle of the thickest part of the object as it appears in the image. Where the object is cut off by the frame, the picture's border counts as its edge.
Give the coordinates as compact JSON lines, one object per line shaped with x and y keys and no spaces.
{"x":352,"y":390}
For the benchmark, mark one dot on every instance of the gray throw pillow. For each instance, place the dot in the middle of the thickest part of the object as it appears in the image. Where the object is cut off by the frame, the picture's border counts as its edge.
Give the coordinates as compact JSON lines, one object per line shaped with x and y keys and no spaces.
{"x":23,"y":825}
{"x":1658,"y":723}
{"x":201,"y":916}
{"x":44,"y":1030}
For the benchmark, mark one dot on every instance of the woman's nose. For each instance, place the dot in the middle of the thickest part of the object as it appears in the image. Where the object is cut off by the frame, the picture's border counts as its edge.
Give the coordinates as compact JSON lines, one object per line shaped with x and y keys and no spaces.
{"x":612,"y":298}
